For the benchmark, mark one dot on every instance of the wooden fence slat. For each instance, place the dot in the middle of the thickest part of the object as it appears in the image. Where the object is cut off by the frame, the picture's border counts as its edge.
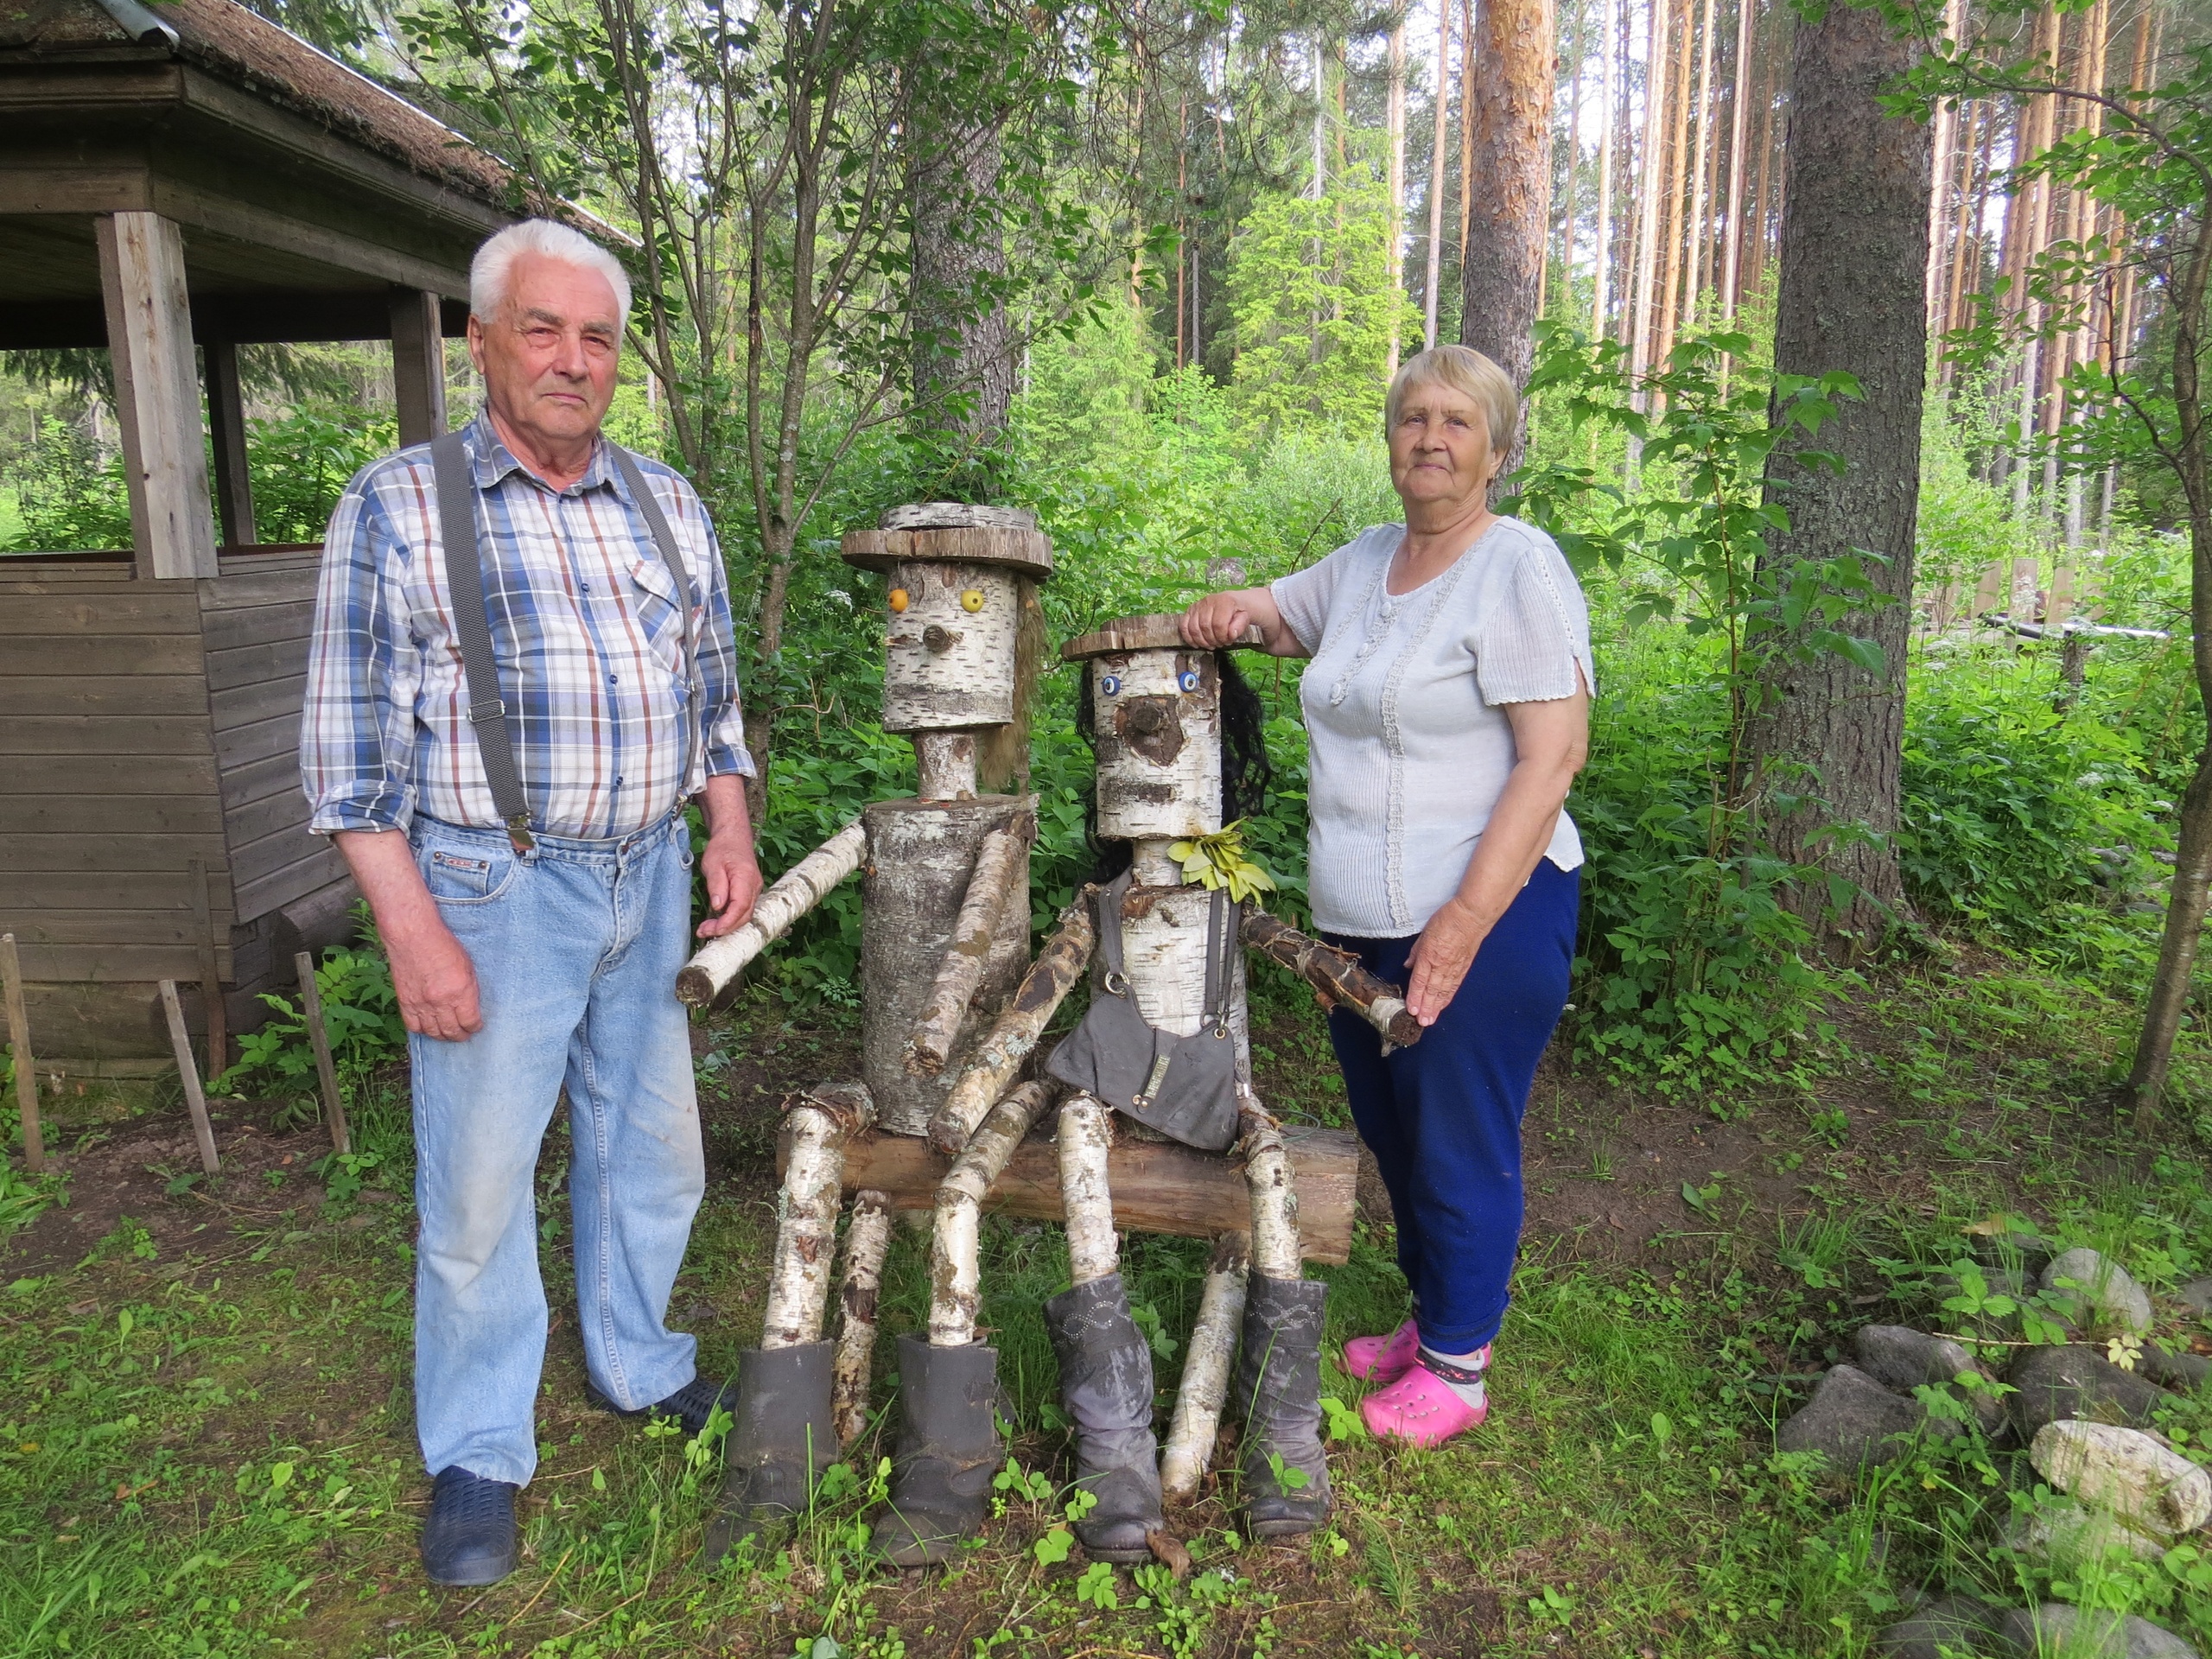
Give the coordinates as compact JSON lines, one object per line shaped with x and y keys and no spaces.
{"x":211,"y":982}
{"x":158,"y":653}
{"x":107,"y":693}
{"x":195,"y":1100}
{"x":104,"y":735}
{"x":19,"y":1043}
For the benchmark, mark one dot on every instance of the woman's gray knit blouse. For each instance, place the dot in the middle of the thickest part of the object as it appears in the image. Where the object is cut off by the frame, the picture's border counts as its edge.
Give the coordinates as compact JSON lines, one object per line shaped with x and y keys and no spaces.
{"x":1409,"y":746}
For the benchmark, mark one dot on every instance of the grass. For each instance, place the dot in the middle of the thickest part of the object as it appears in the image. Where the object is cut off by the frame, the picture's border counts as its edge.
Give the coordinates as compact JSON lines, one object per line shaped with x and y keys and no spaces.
{"x":206,"y":1440}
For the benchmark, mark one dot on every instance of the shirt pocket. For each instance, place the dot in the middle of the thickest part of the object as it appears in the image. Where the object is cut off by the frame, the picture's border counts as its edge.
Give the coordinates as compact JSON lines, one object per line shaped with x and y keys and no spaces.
{"x":465,"y":873}
{"x":665,"y":622}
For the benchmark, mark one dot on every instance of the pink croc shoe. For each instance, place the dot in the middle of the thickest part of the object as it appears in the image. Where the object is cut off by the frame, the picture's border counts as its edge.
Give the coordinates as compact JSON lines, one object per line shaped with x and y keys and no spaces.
{"x":1382,"y":1359}
{"x":1420,"y":1409}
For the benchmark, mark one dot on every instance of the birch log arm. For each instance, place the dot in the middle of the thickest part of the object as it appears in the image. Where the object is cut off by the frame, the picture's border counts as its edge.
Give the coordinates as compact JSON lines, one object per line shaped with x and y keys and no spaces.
{"x":816,"y":1130}
{"x":798,"y":890}
{"x":1198,"y":1397}
{"x":998,"y":862}
{"x":956,"y":1262}
{"x":1158,"y":1186}
{"x":1335,"y":973}
{"x":998,"y":1057}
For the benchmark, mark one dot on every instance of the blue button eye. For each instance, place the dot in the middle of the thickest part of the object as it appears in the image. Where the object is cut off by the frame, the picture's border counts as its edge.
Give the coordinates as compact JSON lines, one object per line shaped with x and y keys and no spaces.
{"x":1189,"y":679}
{"x":1111,"y":684}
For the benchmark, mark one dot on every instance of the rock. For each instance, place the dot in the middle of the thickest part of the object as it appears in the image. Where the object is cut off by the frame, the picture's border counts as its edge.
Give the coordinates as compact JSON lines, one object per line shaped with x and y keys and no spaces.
{"x":1902,"y":1359}
{"x":2195,"y":1298}
{"x":2085,"y":1277}
{"x":2173,"y":1368}
{"x":2055,"y":1383}
{"x":2125,"y":1471}
{"x":2149,"y":1641}
{"x":1957,"y":1622}
{"x":2064,"y":1537}
{"x":2016,"y":1247}
{"x":1853,"y":1420}
{"x":2055,"y":1628}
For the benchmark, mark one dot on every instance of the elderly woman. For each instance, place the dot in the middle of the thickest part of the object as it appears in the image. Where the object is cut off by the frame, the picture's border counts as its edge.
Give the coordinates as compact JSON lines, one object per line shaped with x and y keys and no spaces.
{"x":1447,"y":704}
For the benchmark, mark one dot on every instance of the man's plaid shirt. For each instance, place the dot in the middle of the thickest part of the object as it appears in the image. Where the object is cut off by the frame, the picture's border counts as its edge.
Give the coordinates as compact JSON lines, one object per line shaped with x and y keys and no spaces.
{"x":583,"y":615}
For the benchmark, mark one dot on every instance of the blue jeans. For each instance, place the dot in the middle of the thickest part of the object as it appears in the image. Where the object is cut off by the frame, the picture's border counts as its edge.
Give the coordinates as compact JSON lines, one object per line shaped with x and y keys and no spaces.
{"x":577,"y":946}
{"x":1443,"y":1117}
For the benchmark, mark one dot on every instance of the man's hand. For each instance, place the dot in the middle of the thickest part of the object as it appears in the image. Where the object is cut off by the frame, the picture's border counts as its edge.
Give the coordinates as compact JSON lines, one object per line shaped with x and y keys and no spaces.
{"x":733,"y":882}
{"x":436,"y":983}
{"x":732,"y":872}
{"x":430,"y":971}
{"x":1440,"y":958}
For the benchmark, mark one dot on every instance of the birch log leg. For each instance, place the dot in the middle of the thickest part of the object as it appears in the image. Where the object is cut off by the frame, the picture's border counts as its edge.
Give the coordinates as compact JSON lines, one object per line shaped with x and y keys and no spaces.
{"x":1276,"y":1253}
{"x":1086,"y":1136}
{"x":798,"y":890}
{"x":997,"y":1060}
{"x":866,"y":1241}
{"x":955,"y":1270}
{"x":806,"y":1224}
{"x":1183,"y":1460}
{"x":974,"y":934}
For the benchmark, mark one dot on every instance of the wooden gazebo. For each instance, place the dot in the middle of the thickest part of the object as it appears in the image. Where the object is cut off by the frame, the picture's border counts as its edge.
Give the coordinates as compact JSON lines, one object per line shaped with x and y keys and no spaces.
{"x":175,"y":182}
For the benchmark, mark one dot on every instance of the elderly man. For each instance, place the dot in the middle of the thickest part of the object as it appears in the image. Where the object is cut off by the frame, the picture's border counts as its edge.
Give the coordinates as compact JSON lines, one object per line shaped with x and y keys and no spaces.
{"x":522,"y":670}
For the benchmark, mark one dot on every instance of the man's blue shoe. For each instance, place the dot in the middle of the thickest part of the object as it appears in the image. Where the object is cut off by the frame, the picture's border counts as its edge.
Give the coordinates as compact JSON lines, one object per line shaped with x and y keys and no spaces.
{"x":470,"y":1538}
{"x":690,"y":1405}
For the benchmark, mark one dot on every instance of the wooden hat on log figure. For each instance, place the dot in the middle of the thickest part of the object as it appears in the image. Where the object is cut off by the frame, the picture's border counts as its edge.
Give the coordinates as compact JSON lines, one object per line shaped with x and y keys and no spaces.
{"x":1162,"y":1053}
{"x":944,"y":938}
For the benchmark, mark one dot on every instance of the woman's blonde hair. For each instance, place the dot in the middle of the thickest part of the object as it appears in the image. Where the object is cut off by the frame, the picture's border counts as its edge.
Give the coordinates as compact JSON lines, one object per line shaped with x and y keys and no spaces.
{"x":1463,"y":369}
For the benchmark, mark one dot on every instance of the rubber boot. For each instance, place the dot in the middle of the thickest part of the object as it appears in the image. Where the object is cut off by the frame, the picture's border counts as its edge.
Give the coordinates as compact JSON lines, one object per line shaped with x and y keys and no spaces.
{"x":1106,"y":1383}
{"x":948,"y":1448}
{"x":781,"y":1438}
{"x":1279,"y":1386}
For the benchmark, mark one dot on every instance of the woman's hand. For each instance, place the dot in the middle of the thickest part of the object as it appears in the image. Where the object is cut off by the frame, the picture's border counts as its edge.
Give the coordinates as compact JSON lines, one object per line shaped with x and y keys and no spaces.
{"x":1221,"y":620}
{"x":1440,"y":958}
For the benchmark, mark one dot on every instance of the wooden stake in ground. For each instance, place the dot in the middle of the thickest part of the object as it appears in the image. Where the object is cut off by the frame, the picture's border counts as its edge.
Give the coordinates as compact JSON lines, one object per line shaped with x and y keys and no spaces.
{"x":19,"y":1043}
{"x":866,"y":1241}
{"x":998,"y":862}
{"x":1205,"y":1383}
{"x":210,"y":984}
{"x":195,"y":1098}
{"x":326,"y":1070}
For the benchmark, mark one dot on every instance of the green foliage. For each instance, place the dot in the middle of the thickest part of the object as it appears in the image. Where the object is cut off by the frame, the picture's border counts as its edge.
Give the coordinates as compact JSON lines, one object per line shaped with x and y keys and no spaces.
{"x":1315,"y":310}
{"x":67,"y":497}
{"x":302,"y":460}
{"x":360,"y":1012}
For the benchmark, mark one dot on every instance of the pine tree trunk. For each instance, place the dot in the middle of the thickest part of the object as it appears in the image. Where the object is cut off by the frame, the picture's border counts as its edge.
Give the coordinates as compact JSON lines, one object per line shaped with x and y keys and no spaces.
{"x":1652,"y":143}
{"x":1739,"y":111}
{"x":1570,"y":176}
{"x":1855,"y":253}
{"x":1512,"y":115}
{"x":1700,"y":201}
{"x":963,"y":355}
{"x":1394,"y":120}
{"x":1607,"y":60}
{"x":1436,"y":176}
{"x":1675,"y":193}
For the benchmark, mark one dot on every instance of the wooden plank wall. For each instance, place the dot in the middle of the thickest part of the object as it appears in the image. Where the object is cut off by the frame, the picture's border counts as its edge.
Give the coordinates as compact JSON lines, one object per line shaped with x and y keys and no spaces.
{"x":113,"y":785}
{"x":255,"y":625}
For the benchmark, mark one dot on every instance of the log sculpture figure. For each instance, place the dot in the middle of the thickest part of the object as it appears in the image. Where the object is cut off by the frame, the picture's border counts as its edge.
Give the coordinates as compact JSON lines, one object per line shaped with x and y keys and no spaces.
{"x":944,"y":940}
{"x":1168,"y":985}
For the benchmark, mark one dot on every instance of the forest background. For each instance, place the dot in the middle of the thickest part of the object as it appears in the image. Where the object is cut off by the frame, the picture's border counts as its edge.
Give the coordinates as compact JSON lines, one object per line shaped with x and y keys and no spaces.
{"x":1204,"y":237}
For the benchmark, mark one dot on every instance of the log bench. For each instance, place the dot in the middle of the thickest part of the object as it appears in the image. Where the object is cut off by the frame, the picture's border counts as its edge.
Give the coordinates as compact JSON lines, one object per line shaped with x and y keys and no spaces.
{"x":1159,"y":1186}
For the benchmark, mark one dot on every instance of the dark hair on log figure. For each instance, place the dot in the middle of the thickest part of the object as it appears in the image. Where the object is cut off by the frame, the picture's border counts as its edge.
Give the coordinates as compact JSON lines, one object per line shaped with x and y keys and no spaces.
{"x":1245,"y":772}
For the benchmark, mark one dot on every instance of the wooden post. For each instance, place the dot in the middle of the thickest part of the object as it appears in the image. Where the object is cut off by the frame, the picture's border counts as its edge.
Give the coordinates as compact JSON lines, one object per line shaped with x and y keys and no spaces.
{"x":326,"y":1070}
{"x":157,"y":393}
{"x":19,"y":1041}
{"x":418,"y":364}
{"x":210,"y":982}
{"x":226,"y":427}
{"x":195,"y":1099}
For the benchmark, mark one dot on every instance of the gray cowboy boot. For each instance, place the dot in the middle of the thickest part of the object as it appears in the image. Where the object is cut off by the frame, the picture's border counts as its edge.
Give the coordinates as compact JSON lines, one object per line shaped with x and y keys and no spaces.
{"x":948,"y":1450}
{"x":781,"y":1438}
{"x":1279,"y":1386}
{"x":1106,"y":1382}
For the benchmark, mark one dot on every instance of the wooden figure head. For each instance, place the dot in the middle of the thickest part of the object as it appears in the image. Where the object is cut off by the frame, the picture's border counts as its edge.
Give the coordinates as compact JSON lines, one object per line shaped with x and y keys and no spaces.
{"x":1155,"y":707}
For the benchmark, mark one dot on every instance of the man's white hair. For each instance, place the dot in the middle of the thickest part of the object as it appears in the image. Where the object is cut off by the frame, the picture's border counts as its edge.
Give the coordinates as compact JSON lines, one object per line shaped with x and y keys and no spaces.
{"x":491,"y":273}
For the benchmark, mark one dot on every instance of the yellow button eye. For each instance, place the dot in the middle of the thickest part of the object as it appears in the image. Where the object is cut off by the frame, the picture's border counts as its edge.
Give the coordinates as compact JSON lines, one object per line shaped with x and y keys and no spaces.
{"x":972,"y":601}
{"x":898,"y":600}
